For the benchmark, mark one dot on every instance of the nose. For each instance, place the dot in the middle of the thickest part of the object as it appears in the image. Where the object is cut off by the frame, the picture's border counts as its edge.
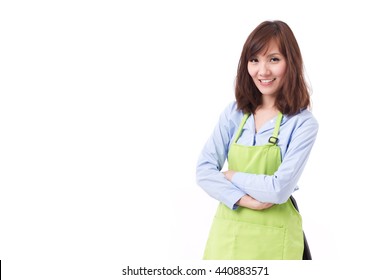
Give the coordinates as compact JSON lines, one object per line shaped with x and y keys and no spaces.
{"x":263,"y":70}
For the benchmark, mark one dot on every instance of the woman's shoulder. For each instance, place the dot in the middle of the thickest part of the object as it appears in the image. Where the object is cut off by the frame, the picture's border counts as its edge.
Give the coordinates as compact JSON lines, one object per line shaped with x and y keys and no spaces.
{"x":231,"y":107}
{"x":303,"y":117}
{"x":231,"y":112}
{"x":231,"y":117}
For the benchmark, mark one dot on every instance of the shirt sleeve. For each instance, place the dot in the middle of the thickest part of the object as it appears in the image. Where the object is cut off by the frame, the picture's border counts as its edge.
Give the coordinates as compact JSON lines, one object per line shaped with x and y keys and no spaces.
{"x":211,"y":160}
{"x":278,"y":188}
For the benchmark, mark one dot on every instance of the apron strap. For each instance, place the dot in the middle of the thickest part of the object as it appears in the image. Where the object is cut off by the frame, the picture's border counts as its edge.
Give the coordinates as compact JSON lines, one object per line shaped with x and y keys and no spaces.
{"x":274,"y":138}
{"x":243,"y":121}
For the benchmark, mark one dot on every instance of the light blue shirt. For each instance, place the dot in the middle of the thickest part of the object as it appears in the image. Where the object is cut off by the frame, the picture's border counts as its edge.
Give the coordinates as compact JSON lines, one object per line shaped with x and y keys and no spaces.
{"x":296,"y":138}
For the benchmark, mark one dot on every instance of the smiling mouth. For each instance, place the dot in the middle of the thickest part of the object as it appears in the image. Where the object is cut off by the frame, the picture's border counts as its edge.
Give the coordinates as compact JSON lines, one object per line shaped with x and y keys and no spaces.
{"x":267,"y":81}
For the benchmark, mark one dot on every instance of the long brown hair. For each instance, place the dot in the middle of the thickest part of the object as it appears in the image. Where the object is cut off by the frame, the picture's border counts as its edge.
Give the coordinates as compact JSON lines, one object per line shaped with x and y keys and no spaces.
{"x":294,"y":94}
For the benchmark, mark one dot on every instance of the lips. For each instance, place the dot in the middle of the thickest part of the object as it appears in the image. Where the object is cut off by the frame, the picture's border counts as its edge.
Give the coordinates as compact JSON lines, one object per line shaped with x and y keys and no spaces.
{"x":267,"y":81}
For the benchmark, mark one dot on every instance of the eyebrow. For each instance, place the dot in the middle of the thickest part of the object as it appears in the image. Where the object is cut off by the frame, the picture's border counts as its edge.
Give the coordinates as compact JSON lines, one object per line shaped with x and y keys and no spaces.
{"x":275,"y":53}
{"x":271,"y":54}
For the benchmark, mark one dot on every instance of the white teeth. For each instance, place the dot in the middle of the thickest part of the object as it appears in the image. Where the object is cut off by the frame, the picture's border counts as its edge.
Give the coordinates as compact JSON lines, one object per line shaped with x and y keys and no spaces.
{"x":266,"y":81}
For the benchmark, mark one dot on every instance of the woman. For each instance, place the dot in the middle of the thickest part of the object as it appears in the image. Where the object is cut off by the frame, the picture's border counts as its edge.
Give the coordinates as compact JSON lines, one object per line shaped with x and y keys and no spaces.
{"x":266,"y":135}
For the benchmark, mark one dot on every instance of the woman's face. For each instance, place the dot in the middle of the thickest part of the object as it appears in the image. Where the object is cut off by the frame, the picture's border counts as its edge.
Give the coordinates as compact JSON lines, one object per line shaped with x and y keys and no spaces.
{"x":268,"y":70}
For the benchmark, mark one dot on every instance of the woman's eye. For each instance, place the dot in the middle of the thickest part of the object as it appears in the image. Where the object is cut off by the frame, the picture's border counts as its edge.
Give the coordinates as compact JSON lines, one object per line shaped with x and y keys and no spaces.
{"x":274,"y":59}
{"x":253,"y":60}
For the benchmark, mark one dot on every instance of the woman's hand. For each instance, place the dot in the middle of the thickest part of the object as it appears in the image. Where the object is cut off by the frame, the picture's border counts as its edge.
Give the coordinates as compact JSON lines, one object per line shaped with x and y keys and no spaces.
{"x":247,"y":201}
{"x":251,"y":203}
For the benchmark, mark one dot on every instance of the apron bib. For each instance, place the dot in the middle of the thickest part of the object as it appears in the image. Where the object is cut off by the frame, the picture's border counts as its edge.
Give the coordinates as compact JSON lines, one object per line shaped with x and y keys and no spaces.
{"x":245,"y":234}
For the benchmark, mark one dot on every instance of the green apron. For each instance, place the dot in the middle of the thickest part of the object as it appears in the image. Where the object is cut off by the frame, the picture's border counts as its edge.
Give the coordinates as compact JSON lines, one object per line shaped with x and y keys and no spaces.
{"x":244,"y":234}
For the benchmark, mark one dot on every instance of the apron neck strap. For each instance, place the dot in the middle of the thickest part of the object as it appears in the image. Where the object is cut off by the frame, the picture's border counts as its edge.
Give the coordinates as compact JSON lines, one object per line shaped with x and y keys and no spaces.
{"x":274,"y":138}
{"x":243,"y":121}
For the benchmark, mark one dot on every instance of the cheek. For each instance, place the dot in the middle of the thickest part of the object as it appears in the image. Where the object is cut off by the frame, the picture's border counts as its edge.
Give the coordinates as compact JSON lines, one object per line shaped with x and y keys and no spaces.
{"x":251,"y":71}
{"x":281,"y":72}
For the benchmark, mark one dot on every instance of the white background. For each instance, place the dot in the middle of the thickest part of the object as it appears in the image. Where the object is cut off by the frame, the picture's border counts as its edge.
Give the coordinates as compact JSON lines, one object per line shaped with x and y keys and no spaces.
{"x":105,"y":106}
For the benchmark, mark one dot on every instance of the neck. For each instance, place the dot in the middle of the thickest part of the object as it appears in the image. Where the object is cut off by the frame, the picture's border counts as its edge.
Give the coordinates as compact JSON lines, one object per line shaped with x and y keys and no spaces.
{"x":268,"y":103}
{"x":267,"y":106}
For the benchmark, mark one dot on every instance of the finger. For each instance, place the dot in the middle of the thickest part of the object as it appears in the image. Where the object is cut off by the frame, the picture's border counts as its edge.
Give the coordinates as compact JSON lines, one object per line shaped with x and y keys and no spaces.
{"x":267,"y":205}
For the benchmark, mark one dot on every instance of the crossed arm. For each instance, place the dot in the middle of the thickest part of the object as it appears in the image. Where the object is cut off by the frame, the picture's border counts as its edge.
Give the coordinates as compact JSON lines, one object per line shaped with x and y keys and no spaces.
{"x":254,"y":191}
{"x":248,"y":201}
